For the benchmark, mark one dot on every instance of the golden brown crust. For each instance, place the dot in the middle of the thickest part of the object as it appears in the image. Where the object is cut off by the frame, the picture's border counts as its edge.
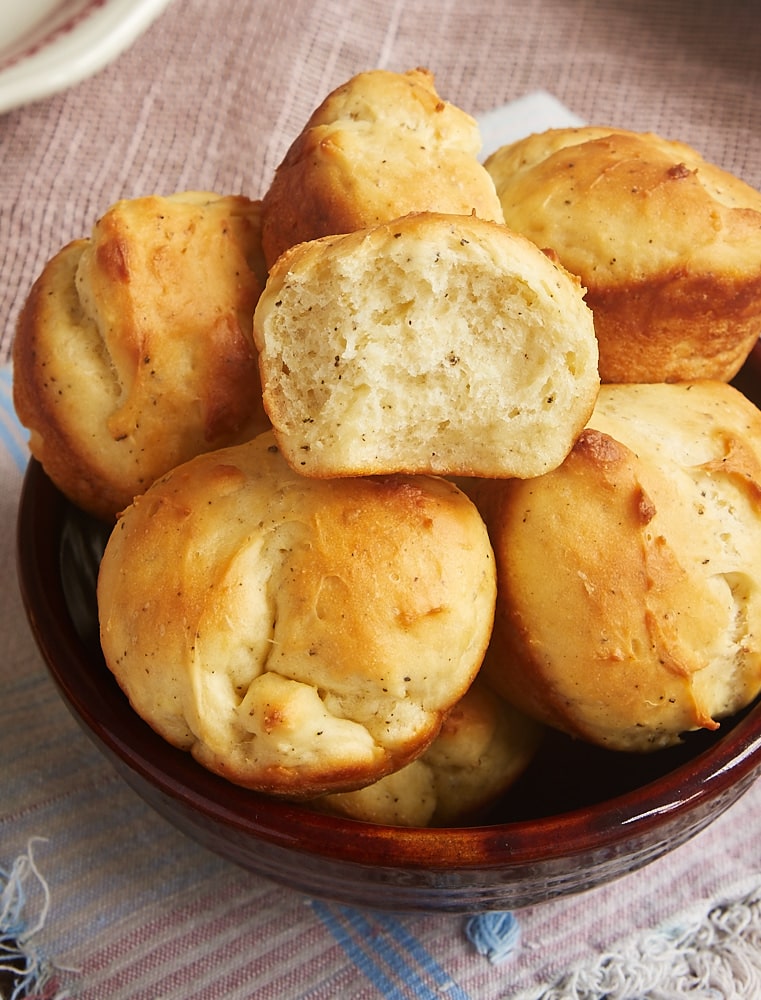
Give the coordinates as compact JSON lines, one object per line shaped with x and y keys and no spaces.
{"x":482,"y":748}
{"x":667,"y":245}
{"x":628,"y":595}
{"x":381,"y":145}
{"x":134,"y":350}
{"x":298,"y":636}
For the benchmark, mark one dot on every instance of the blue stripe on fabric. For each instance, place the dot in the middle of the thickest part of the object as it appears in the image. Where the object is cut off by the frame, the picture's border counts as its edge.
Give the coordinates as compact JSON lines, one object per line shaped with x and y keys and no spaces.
{"x":424,"y":958}
{"x":13,"y":436}
{"x":364,"y":962}
{"x":390,"y":955}
{"x":397,"y":961}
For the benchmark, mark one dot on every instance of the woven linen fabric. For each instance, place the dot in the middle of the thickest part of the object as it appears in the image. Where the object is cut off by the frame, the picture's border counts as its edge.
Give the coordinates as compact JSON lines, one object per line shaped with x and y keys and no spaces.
{"x":118,"y":904}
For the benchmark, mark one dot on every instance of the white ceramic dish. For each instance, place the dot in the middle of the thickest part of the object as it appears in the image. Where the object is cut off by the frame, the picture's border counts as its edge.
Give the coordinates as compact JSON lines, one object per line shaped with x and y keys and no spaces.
{"x":49,"y":45}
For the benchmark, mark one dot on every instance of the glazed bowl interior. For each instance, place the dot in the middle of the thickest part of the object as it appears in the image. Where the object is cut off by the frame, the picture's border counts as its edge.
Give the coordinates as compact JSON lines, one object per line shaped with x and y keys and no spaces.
{"x":578,"y":817}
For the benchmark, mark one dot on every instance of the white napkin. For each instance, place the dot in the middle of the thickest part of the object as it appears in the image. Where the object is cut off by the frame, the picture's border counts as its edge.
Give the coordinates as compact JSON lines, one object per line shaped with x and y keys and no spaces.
{"x":535,"y":112}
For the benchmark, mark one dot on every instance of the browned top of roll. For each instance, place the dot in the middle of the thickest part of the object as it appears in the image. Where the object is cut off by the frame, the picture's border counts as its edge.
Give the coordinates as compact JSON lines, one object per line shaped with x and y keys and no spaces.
{"x":667,"y":245}
{"x":134,"y":350}
{"x":379,"y":146}
{"x":299,"y":636}
{"x":628,"y":579}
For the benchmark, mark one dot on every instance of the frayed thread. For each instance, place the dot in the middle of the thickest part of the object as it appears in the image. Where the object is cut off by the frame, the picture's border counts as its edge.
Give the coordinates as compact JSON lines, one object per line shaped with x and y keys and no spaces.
{"x":24,"y":968}
{"x":496,"y":935}
{"x":713,"y":953}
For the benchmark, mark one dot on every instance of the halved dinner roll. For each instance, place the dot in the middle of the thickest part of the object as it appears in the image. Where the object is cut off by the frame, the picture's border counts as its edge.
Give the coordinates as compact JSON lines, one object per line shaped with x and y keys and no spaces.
{"x":297,"y":636}
{"x":431,"y":344}
{"x":667,"y":245}
{"x":379,"y":146}
{"x":134,"y":349}
{"x":629,"y":588}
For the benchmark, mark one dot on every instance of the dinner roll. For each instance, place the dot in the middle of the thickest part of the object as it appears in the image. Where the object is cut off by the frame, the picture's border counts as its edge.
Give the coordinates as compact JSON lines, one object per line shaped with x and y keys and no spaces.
{"x":629,"y":579}
{"x":381,"y":145}
{"x":430,"y":344}
{"x":134,"y":350}
{"x":297,"y":636}
{"x":667,"y":245}
{"x":482,"y":748}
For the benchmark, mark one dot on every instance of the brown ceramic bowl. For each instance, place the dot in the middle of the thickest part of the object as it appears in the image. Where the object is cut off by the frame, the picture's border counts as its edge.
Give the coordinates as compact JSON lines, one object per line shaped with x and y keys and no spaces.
{"x":561,"y":829}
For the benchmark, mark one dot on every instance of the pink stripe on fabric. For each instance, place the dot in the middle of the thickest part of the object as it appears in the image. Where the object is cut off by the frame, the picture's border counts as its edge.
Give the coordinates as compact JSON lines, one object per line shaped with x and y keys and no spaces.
{"x":231,"y":924}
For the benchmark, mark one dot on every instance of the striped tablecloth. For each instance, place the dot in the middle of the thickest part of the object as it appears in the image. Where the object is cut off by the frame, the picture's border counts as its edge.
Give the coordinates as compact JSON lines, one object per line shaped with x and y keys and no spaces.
{"x":103,"y":897}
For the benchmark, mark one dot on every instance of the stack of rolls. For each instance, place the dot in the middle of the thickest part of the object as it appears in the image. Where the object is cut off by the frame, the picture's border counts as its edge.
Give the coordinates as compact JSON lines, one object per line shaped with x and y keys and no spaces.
{"x":629,"y":608}
{"x":376,"y":521}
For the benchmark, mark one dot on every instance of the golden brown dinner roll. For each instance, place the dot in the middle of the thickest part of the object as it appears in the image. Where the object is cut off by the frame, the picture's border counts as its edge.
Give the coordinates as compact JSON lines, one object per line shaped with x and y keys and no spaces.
{"x":629,"y":579}
{"x":482,"y":748}
{"x":381,"y":145}
{"x":297,"y":636}
{"x":134,"y":349}
{"x":667,"y":245}
{"x":430,"y":344}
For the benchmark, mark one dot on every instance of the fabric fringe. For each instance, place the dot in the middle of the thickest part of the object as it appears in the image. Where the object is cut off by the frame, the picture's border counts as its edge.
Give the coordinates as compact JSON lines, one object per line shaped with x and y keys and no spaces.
{"x":495,"y":935}
{"x":712,"y":952}
{"x":25,"y":971}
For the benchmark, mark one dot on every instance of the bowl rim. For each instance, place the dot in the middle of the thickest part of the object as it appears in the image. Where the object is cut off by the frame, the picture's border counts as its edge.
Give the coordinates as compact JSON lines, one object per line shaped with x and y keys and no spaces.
{"x":714,"y":774}
{"x":66,"y":46}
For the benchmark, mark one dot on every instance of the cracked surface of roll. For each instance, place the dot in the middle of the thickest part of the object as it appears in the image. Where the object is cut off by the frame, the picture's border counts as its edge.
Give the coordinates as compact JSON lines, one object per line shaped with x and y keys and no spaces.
{"x":381,"y":145}
{"x":297,"y":636}
{"x":629,"y":594}
{"x":483,"y":747}
{"x":431,"y":344}
{"x":667,"y":245}
{"x":134,"y":349}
